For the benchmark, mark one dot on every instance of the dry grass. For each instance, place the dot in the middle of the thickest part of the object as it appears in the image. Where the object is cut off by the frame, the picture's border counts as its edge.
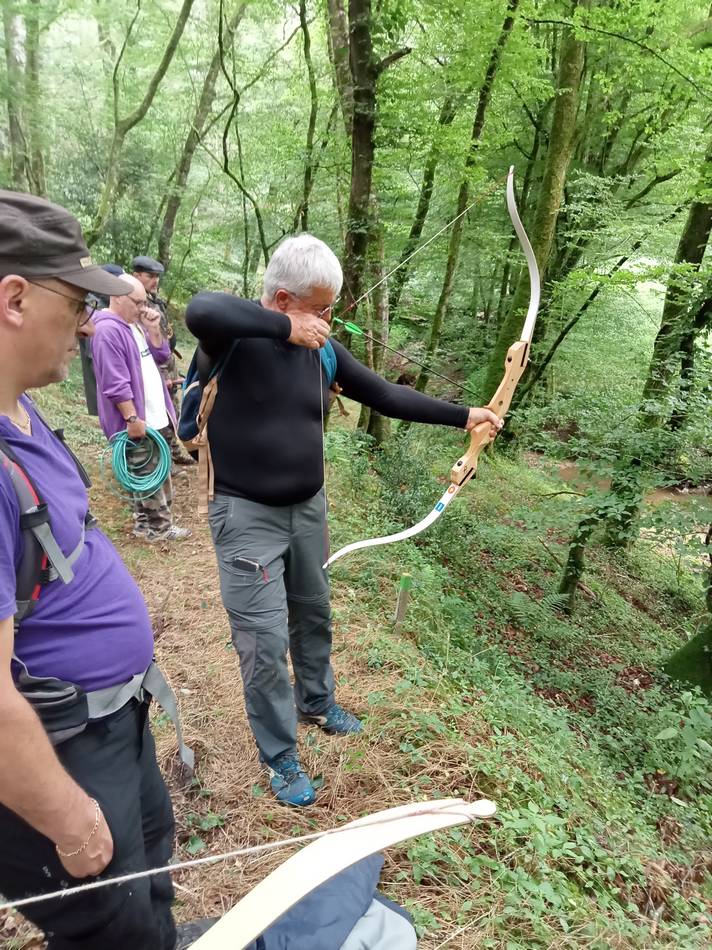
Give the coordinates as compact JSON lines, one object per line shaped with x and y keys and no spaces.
{"x":362,"y":774}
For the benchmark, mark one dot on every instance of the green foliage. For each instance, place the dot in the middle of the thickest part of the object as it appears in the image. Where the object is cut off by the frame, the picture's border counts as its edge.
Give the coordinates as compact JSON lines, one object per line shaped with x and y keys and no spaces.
{"x":566,"y":721}
{"x":591,"y":754}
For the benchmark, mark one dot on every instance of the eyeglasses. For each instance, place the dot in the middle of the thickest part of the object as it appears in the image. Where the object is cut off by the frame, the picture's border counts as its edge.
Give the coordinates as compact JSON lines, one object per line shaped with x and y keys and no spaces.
{"x":329,"y":308}
{"x":85,"y":308}
{"x":140,"y":304}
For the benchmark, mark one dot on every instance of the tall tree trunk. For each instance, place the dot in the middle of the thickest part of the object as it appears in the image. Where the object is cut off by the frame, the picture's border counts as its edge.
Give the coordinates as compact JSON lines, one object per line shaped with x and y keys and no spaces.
{"x":701,"y":323}
{"x":464,"y":192}
{"x":33,"y":119}
{"x":123,"y":126}
{"x":365,"y":76}
{"x":311,"y":126}
{"x":339,"y":49}
{"x":12,"y":26}
{"x":447,"y":114}
{"x":692,"y":663}
{"x":560,"y":150}
{"x":195,"y":132}
{"x":664,"y":366}
{"x":665,"y":362}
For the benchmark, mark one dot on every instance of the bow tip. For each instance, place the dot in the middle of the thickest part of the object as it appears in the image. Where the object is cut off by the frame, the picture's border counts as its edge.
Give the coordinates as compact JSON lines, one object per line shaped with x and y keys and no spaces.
{"x":484,"y":808}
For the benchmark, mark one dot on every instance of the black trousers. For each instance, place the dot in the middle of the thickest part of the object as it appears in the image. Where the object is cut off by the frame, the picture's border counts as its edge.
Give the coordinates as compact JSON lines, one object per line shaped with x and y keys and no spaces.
{"x":114,"y":760}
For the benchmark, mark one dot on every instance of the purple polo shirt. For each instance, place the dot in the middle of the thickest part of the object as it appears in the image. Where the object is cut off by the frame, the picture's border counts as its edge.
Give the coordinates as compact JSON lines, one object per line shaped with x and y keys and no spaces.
{"x":95,"y":631}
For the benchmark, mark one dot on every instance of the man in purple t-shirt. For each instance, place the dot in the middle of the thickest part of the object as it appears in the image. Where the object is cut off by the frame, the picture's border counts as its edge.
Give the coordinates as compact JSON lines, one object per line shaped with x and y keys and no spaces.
{"x":96,"y":802}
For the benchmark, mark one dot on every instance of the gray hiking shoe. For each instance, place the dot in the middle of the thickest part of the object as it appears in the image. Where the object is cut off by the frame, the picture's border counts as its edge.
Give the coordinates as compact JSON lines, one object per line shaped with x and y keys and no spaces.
{"x":334,"y":721}
{"x":174,"y":533}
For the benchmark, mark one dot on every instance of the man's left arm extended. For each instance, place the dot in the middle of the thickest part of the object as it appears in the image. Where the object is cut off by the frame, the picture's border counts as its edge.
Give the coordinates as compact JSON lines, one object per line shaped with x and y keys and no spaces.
{"x":401,"y":402}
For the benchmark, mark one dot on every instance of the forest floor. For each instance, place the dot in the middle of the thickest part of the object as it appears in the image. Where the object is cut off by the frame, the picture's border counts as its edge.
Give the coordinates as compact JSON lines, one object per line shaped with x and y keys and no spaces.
{"x":599,"y":767}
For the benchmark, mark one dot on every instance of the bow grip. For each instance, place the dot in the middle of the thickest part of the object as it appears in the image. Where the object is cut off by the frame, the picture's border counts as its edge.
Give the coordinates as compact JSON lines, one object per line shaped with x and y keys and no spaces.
{"x":466,"y":466}
{"x":514,"y":366}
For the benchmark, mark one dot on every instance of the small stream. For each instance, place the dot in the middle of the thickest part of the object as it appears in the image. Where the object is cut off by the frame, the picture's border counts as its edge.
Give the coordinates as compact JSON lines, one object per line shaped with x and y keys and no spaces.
{"x":570,"y":473}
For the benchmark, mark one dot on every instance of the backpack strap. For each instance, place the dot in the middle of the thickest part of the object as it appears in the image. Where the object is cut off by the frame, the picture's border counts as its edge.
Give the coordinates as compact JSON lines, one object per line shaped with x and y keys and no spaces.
{"x":42,"y":559}
{"x":327,"y":355}
{"x":33,"y":560}
{"x":200,"y":443}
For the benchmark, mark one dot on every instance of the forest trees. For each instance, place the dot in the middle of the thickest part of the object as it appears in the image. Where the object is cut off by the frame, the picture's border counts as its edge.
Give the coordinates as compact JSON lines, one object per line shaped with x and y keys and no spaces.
{"x":203,"y":131}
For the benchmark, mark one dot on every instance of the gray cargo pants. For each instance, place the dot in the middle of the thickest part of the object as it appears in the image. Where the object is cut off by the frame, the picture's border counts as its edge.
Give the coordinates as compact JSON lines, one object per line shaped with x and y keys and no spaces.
{"x":276,"y":594}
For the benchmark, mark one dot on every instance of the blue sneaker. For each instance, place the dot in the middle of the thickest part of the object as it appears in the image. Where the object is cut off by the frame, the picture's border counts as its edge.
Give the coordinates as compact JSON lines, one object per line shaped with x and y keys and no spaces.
{"x":335,"y":721}
{"x":289,"y":781}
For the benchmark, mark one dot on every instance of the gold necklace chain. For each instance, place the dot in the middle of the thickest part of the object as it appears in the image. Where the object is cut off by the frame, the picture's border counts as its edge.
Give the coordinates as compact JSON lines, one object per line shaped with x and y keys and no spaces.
{"x":25,"y":426}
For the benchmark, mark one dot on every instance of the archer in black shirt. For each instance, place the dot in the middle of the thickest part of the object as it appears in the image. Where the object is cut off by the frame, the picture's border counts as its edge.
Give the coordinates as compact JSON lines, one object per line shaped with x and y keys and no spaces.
{"x":268,"y":516}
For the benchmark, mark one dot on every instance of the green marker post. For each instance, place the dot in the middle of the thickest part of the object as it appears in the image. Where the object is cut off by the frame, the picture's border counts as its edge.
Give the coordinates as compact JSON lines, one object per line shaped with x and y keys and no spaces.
{"x":404,"y":589}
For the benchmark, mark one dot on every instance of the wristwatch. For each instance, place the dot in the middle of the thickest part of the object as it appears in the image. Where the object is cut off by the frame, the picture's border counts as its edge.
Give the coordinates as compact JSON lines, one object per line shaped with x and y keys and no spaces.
{"x":131,"y":419}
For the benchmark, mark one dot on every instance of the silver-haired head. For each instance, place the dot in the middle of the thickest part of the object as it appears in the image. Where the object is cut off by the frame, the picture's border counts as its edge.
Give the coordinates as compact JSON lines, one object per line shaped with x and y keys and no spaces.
{"x":301,"y":264}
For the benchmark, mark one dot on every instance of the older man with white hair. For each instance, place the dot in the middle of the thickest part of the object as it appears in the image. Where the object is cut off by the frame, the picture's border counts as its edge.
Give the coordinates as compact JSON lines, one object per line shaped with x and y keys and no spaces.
{"x":268,"y":516}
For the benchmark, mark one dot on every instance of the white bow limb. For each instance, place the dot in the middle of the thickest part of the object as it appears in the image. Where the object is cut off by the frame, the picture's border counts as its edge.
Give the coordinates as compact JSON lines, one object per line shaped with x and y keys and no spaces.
{"x":326,"y":857}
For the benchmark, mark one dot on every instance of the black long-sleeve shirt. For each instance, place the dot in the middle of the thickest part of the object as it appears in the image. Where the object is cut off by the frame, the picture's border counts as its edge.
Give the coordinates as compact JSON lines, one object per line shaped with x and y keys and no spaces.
{"x":265,"y":429}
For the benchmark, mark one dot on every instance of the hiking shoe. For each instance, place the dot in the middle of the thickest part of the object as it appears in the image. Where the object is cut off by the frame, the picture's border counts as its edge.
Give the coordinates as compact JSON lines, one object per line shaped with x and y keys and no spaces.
{"x":174,"y":533}
{"x":140,"y":531}
{"x":189,"y":932}
{"x":335,"y":721}
{"x":289,"y":781}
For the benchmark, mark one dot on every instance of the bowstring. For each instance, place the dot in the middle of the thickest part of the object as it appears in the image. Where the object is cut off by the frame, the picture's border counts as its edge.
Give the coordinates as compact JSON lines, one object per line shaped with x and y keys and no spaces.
{"x":352,"y":306}
{"x":370,"y":821}
{"x":323,"y":438}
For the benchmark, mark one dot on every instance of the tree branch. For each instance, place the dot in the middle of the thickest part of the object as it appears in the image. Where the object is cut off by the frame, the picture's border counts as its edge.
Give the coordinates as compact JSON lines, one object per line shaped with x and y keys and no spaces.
{"x":625,"y":39}
{"x":653,"y":183}
{"x":115,"y":73}
{"x":391,"y":59}
{"x":130,"y":121}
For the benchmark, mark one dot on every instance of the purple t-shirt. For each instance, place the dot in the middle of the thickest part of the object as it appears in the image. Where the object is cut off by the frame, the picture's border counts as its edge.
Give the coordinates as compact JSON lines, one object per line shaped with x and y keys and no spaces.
{"x":95,"y":631}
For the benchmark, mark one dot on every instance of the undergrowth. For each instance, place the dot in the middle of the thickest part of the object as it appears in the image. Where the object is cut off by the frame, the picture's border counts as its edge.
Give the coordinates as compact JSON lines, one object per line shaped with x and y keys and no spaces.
{"x":599,"y":766}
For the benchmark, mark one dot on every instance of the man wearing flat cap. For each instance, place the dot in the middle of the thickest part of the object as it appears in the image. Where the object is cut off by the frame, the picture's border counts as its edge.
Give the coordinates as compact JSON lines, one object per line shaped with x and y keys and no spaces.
{"x":81,"y":793}
{"x":155,"y":318}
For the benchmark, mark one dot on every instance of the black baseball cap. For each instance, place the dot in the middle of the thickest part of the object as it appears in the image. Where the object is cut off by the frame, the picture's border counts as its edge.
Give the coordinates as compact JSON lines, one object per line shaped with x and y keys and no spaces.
{"x":115,"y":269}
{"x":146,"y":265}
{"x":39,"y":240}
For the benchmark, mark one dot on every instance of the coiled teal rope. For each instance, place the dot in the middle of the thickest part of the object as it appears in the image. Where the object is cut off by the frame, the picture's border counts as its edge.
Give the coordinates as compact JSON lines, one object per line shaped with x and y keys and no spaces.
{"x":132,"y":477}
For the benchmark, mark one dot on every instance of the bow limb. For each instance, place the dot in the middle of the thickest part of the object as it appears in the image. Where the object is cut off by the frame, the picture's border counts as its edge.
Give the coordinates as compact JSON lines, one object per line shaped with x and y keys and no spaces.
{"x":429,"y":519}
{"x":328,"y":856}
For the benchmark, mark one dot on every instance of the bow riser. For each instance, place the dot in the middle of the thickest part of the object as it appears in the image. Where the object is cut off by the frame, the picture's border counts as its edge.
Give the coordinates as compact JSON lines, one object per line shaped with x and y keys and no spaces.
{"x":515,"y":364}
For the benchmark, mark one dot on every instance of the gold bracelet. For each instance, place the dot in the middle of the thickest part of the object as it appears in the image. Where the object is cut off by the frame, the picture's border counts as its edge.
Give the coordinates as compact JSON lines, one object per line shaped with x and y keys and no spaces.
{"x":73,"y":854}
